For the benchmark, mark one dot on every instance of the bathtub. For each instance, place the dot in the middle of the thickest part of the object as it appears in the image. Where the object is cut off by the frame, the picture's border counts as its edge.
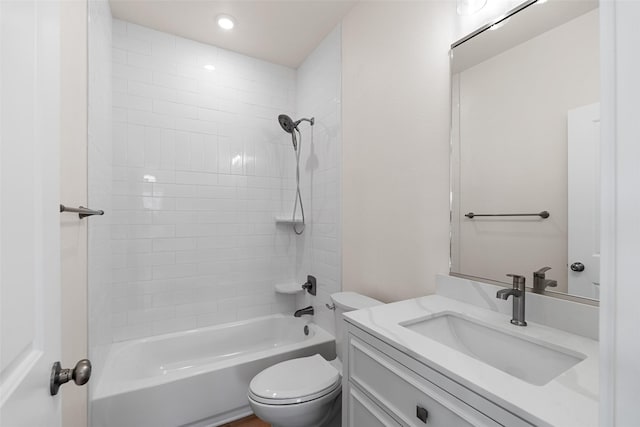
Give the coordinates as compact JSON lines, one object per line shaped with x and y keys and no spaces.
{"x":200,"y":377}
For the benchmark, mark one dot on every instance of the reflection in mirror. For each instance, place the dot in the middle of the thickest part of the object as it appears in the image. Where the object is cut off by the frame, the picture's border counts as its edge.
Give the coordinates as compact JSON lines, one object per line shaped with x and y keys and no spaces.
{"x":525,"y":137}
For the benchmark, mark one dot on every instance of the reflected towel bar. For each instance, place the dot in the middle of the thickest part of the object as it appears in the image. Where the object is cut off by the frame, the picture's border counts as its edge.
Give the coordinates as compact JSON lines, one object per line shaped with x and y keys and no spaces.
{"x":543,"y":214}
{"x":81,"y":211}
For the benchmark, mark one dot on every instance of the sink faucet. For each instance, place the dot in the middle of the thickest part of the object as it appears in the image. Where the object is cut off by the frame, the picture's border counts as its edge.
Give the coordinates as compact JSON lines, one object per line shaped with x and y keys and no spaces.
{"x":518,"y":292}
{"x":303,"y":311}
{"x":540,"y":283}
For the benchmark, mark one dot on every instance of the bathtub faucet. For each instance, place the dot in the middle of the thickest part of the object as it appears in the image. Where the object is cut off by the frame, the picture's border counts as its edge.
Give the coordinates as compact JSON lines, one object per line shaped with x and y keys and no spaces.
{"x":303,"y":311}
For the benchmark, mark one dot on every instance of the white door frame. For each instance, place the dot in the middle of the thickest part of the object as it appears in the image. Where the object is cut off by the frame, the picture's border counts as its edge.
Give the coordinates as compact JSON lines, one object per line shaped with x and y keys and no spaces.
{"x":73,"y":192}
{"x":620,"y":244}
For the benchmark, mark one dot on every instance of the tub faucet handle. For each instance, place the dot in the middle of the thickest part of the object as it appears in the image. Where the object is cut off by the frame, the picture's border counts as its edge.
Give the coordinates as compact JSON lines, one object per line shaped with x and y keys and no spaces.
{"x":310,"y":285}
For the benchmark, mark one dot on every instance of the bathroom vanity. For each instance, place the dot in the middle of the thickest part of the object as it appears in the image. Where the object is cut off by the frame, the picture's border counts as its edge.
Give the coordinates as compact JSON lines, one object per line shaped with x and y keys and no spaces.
{"x":437,"y":361}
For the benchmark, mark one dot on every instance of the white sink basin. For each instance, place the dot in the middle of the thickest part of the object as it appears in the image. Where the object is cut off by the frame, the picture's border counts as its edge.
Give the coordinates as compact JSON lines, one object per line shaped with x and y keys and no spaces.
{"x":534,"y":362}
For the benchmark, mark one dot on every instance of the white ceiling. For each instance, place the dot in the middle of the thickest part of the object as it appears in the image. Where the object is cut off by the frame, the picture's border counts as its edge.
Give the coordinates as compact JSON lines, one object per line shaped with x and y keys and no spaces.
{"x":284,"y":32}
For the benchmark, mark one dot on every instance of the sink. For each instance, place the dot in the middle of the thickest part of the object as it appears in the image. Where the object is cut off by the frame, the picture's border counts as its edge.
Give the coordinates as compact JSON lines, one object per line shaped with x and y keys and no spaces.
{"x":534,"y":362}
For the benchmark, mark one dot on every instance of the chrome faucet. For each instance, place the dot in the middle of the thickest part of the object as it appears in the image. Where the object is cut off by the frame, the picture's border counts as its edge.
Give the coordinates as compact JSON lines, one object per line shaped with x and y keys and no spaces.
{"x":540,"y":282}
{"x":518,"y":292}
{"x":303,"y":311}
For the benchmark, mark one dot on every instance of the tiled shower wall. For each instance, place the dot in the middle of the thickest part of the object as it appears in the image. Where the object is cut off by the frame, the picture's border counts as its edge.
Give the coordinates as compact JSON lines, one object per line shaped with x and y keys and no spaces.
{"x":318,"y":93}
{"x":99,"y":151}
{"x":201,"y":170}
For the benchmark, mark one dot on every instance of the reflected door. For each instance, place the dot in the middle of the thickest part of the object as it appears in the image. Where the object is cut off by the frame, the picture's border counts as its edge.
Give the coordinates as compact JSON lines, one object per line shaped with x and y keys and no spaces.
{"x":584,"y":200}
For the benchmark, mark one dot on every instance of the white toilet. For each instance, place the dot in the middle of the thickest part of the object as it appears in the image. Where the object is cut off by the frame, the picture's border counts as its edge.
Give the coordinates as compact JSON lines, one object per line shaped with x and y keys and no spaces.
{"x":306,"y":392}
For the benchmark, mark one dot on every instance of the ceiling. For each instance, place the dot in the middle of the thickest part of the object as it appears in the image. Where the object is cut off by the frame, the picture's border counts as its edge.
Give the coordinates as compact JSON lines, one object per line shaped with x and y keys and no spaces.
{"x":283,"y":32}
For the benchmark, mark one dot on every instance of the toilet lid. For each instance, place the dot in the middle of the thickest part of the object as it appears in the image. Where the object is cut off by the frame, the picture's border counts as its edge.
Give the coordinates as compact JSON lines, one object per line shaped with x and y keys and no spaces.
{"x":295,"y":381}
{"x":349,"y":301}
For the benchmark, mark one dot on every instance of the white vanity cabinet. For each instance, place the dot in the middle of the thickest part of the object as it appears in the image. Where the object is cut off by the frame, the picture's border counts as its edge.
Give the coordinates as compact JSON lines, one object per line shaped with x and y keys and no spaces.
{"x":385,"y":387}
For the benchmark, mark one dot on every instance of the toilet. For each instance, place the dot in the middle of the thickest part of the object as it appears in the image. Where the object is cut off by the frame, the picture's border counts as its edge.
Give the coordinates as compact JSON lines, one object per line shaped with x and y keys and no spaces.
{"x":306,"y":392}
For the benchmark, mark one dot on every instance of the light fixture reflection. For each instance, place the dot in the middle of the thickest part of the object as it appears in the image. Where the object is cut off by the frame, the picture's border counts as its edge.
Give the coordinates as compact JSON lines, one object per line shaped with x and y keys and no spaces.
{"x":209,"y":67}
{"x":499,"y":24}
{"x":469,"y":7}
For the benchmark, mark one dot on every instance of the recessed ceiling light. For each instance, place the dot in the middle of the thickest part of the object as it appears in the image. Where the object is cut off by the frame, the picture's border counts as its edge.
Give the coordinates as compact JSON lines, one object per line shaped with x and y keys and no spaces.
{"x":209,"y":67}
{"x":225,"y":22}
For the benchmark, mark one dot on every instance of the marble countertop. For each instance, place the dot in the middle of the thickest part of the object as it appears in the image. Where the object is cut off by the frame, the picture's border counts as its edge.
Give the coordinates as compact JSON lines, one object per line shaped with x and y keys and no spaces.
{"x":570,"y":399}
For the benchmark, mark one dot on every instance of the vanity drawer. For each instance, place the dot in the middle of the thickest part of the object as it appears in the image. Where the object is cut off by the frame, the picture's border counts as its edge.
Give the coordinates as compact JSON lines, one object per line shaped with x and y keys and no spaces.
{"x":369,"y":358}
{"x":414,"y":400}
{"x":363,"y":412}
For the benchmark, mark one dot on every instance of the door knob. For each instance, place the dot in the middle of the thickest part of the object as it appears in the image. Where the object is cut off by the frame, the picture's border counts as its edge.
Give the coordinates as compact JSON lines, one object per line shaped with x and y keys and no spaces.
{"x":80,"y":375}
{"x":577,"y":266}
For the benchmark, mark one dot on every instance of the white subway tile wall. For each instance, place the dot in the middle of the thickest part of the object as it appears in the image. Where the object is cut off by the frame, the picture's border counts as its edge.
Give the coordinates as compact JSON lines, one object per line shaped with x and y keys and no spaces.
{"x":200,"y":170}
{"x":318,"y":93}
{"x":99,"y":180}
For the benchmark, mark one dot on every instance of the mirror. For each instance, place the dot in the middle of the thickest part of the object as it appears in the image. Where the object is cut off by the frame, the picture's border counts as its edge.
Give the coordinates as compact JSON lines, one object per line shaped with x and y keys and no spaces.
{"x":525,"y":157}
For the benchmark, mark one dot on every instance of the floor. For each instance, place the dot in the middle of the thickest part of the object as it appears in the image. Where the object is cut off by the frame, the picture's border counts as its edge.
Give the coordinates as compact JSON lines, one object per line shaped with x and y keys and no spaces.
{"x":250,"y":421}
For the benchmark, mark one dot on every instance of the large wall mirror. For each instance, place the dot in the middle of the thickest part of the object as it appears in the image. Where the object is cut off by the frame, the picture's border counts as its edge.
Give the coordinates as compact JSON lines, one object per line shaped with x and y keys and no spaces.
{"x":525,"y":158}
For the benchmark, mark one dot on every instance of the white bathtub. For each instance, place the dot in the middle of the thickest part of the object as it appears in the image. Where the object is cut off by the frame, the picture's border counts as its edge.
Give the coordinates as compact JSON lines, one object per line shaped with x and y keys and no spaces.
{"x":200,"y":377}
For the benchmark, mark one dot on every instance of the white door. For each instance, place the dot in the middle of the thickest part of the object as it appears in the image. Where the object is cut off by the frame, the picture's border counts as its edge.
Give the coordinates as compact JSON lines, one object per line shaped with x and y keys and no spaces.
{"x":29,"y":217}
{"x":584,"y":200}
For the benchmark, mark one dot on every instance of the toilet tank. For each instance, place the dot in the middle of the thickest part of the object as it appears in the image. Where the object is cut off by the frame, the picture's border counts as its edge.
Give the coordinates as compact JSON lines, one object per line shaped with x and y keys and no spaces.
{"x":348,"y":301}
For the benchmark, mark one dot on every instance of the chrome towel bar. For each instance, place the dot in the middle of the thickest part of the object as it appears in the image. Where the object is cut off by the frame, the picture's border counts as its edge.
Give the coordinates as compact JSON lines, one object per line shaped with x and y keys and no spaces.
{"x":543,"y":214}
{"x":81,"y":211}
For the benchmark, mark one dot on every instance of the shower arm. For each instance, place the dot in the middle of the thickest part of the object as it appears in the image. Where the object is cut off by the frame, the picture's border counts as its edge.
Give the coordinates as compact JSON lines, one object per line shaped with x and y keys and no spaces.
{"x":312,"y":121}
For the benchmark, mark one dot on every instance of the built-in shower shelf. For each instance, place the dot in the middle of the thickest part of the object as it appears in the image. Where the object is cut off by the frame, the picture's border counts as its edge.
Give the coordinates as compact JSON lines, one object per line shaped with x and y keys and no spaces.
{"x":288,"y":288}
{"x":288,"y":220}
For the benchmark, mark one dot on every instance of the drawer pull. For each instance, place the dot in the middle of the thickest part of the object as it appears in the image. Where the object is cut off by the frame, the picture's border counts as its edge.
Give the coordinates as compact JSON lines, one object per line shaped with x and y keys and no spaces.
{"x":422,"y":414}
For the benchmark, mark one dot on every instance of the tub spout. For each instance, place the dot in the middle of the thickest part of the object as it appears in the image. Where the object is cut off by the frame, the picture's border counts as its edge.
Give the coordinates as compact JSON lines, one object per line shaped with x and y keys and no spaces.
{"x":303,"y":311}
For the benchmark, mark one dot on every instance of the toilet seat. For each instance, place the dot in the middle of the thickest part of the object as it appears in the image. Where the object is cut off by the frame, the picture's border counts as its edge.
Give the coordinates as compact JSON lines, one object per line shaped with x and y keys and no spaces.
{"x":295,"y":381}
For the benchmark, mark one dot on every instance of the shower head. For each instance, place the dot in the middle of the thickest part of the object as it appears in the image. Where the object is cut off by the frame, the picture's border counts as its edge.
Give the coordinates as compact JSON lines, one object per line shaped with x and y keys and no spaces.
{"x":289,"y":125}
{"x":286,"y":123}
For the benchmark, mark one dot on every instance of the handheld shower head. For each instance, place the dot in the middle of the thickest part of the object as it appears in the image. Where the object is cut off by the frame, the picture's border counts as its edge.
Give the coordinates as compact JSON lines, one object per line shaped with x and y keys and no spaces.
{"x":286,"y":123}
{"x":289,"y":126}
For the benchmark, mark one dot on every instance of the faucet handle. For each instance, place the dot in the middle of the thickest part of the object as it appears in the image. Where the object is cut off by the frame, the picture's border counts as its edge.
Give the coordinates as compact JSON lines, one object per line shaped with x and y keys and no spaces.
{"x":540,"y":273}
{"x":310,"y":285}
{"x":518,"y":280}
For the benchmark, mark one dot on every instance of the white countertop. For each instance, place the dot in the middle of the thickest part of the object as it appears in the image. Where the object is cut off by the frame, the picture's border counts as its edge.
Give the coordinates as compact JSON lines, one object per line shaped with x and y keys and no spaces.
{"x":569,"y":400}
